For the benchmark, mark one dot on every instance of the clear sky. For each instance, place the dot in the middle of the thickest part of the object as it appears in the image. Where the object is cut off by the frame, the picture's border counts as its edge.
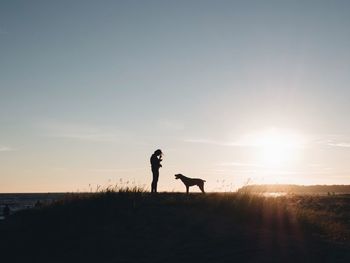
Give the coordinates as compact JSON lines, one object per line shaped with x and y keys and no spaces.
{"x":231,"y":91}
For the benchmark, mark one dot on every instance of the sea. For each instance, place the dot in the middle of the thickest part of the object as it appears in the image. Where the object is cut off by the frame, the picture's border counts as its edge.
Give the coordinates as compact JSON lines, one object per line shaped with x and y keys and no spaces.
{"x":20,"y":201}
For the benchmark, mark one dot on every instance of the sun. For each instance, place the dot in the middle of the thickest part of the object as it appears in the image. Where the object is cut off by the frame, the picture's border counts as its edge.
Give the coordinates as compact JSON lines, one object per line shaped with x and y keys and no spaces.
{"x":277,"y":148}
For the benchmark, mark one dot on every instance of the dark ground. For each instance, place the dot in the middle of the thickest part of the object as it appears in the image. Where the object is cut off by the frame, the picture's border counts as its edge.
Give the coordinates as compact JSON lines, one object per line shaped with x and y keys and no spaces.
{"x":170,"y":227}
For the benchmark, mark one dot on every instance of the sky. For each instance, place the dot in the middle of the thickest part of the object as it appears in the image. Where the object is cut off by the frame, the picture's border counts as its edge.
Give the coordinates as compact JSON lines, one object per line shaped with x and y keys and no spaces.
{"x":234,"y":92}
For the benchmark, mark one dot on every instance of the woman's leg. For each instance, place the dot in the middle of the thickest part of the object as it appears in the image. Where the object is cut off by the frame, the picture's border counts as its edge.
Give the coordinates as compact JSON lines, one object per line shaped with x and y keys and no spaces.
{"x":154,"y":181}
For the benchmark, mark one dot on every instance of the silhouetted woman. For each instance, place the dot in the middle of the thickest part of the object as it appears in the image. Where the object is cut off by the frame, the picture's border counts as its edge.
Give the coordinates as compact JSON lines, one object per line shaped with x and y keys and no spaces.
{"x":156,"y":158}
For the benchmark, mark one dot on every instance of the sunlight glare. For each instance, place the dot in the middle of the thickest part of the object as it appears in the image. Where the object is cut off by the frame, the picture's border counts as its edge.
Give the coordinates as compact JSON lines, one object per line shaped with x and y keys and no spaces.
{"x":277,"y":147}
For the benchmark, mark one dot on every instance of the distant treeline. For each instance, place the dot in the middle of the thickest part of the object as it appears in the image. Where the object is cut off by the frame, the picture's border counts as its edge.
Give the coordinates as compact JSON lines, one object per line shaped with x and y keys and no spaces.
{"x":296,"y":189}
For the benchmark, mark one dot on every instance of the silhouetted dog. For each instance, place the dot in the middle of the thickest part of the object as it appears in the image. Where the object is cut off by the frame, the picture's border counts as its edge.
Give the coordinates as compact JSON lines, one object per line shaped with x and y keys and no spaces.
{"x":190,"y":182}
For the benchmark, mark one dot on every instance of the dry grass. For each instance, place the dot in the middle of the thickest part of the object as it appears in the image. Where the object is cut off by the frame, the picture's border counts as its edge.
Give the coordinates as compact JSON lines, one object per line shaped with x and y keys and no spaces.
{"x":130,"y":225}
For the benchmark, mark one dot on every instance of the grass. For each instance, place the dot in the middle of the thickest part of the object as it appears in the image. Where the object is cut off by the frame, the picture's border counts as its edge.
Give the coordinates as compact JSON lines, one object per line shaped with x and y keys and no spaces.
{"x":130,"y":225}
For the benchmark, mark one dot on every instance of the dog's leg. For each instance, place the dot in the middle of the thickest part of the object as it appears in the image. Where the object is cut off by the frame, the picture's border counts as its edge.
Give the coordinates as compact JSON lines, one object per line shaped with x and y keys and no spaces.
{"x":201,"y":186}
{"x":187,"y":189}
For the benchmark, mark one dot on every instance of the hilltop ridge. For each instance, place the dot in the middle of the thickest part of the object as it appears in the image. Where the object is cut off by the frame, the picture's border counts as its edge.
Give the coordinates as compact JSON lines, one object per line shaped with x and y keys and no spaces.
{"x":296,"y":189}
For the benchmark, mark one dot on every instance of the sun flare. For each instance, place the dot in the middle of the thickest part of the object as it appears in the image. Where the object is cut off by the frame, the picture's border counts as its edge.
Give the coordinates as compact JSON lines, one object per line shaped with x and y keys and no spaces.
{"x":277,"y":148}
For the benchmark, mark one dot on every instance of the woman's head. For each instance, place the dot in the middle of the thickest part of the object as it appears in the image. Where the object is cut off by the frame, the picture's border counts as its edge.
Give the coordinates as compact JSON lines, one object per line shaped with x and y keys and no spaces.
{"x":158,"y":152}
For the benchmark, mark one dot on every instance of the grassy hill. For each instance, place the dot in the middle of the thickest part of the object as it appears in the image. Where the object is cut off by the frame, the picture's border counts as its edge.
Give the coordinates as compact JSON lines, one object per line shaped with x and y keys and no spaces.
{"x":170,"y":227}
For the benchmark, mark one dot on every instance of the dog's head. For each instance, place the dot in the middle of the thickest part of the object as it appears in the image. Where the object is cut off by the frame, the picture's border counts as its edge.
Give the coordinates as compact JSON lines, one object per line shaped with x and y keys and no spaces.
{"x":178,"y":176}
